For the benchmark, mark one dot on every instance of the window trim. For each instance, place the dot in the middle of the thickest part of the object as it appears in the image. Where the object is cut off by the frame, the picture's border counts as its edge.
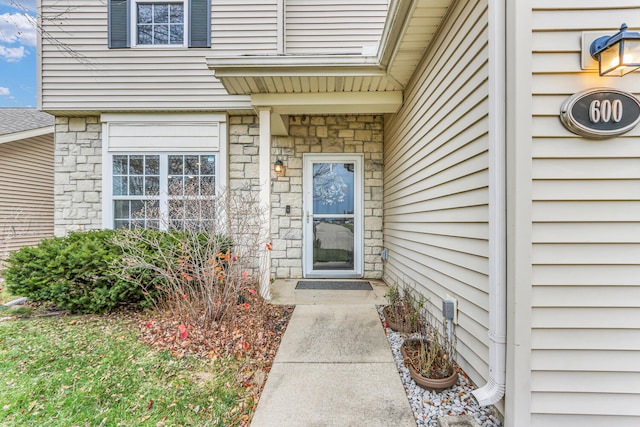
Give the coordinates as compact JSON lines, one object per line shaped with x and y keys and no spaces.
{"x":220,"y":149}
{"x":121,"y":30}
{"x":133,"y":24}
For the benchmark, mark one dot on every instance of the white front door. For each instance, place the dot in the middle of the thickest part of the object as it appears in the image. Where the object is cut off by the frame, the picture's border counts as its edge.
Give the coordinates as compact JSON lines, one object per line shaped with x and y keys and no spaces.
{"x":333,"y":215}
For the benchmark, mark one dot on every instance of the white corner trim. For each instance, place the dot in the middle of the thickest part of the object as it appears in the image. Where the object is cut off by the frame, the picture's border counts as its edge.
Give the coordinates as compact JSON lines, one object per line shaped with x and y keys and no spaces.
{"x":264,"y":156}
{"x":107,"y":180}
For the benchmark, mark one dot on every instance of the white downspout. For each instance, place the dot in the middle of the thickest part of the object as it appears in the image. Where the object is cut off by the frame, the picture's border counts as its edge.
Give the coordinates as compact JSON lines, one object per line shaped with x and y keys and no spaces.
{"x":494,"y":390}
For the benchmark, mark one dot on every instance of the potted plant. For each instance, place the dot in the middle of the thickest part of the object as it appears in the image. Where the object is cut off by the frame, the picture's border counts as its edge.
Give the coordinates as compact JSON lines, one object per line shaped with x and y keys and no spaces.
{"x":429,"y":358}
{"x":402,"y":312}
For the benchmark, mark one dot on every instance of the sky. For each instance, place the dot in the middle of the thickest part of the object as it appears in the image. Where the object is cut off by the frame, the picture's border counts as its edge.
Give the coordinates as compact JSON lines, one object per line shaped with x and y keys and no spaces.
{"x":18,"y":54}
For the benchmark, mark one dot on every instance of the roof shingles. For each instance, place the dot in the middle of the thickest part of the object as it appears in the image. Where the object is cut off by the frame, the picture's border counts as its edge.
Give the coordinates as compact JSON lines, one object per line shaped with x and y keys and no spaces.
{"x":13,"y":120}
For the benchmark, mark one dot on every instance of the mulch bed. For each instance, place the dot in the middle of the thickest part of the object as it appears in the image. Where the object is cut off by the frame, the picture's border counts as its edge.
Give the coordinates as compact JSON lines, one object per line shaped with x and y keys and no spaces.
{"x":253,"y":336}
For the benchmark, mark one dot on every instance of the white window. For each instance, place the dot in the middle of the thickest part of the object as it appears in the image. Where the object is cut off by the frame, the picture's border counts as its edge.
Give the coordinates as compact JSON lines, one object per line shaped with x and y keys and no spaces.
{"x":162,"y":190}
{"x":159,"y":23}
{"x":191,"y":186}
{"x":136,"y":190}
{"x":162,"y":170}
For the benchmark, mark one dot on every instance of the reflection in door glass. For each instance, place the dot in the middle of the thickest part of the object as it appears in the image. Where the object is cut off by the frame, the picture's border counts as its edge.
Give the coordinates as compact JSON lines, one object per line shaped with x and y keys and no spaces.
{"x":333,"y":244}
{"x":333,"y":188}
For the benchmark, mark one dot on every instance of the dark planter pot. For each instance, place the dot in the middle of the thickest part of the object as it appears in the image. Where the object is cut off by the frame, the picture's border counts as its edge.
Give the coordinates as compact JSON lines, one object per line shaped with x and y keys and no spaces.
{"x":433,"y":384}
{"x":399,"y":325}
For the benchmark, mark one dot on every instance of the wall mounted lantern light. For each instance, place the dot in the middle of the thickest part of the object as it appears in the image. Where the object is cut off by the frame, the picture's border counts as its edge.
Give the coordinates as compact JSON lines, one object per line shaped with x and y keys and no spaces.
{"x":278,"y":167}
{"x":618,"y":54}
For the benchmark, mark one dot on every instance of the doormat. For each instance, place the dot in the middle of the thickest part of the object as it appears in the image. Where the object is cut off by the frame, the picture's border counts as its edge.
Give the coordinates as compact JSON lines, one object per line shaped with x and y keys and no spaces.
{"x":334,"y":285}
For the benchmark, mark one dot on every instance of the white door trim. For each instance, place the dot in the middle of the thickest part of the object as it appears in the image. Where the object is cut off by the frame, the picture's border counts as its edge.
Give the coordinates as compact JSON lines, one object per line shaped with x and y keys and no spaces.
{"x":358,"y":217}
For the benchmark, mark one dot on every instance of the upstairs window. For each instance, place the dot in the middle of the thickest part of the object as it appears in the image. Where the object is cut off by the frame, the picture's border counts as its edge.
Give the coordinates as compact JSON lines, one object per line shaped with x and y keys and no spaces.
{"x":159,"y":23}
{"x":169,"y":23}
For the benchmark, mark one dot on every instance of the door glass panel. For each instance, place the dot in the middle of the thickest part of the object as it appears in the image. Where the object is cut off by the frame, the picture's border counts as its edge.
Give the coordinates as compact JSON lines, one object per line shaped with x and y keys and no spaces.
{"x":333,"y":188}
{"x":333,"y":244}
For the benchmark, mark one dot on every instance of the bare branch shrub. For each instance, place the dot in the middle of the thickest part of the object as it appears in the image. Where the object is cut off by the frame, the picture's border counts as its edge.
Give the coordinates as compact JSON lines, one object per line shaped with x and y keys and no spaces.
{"x":437,"y":353}
{"x":21,"y":228}
{"x":206,"y":259}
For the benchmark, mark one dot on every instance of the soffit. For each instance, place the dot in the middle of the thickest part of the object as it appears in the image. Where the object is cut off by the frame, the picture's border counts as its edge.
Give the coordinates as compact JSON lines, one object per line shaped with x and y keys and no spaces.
{"x":420,"y":27}
{"x":409,"y":31}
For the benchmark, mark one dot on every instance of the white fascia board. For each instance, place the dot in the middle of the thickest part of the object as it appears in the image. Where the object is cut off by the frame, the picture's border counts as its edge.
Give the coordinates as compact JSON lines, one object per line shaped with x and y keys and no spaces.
{"x":283,"y":65}
{"x":394,"y":27}
{"x":32,"y":133}
{"x":330,"y":103}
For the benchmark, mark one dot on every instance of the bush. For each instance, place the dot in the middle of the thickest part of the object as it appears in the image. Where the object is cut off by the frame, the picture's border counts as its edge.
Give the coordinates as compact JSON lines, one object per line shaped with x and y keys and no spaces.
{"x":200,"y":274}
{"x":75,"y":272}
{"x":83,"y":273}
{"x":196,"y":275}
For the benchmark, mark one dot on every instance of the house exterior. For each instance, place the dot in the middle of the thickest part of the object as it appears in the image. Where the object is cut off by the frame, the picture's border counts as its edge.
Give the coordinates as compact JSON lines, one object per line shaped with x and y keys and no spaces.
{"x":427,"y":131}
{"x":26,"y":178}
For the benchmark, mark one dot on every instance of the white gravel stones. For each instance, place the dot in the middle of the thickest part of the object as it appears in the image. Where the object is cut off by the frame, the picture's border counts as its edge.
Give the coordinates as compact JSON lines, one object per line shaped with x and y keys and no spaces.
{"x":428,"y":406}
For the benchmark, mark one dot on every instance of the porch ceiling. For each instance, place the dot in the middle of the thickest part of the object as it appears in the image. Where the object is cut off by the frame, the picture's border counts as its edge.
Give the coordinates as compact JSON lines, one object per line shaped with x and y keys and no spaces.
{"x":410,"y":28}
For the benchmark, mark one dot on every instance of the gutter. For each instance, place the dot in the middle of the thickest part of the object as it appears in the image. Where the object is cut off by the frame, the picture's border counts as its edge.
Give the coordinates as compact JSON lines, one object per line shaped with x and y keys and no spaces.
{"x":492,"y":392}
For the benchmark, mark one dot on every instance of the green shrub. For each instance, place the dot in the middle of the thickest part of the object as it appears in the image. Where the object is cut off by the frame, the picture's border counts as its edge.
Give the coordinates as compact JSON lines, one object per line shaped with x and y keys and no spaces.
{"x":83,"y":272}
{"x":75,"y":272}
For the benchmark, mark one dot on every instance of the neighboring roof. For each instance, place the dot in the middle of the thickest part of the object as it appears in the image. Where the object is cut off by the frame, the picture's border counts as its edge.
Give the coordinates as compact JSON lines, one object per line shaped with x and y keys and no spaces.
{"x":23,"y":123}
{"x":17,"y":120}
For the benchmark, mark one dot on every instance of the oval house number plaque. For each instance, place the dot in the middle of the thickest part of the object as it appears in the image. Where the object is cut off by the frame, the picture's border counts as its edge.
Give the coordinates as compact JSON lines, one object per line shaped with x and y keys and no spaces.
{"x":600,"y":113}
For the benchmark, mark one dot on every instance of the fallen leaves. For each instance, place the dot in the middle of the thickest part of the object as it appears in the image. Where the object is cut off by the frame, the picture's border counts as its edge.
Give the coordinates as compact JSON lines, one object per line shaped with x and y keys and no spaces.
{"x":251,"y":336}
{"x":182,"y":330}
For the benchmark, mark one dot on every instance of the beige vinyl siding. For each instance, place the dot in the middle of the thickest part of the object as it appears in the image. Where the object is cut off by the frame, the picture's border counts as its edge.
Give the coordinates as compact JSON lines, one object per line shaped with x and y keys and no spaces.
{"x":241,"y":27}
{"x":585,"y":332}
{"x":26,"y":192}
{"x":79,"y":72}
{"x":436,"y":181}
{"x":333,"y":26}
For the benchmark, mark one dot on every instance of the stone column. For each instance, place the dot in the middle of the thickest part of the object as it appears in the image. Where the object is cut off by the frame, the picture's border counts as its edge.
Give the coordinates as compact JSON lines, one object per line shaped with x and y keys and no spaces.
{"x":78,"y":174}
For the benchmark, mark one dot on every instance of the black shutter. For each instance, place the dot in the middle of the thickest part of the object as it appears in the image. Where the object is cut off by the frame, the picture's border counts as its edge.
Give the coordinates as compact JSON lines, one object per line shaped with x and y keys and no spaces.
{"x":118,"y":24}
{"x":200,"y":23}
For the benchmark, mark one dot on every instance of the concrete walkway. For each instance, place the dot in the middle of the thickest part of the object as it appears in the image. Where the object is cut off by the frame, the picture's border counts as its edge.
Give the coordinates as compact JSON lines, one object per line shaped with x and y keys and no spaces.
{"x":334,"y":368}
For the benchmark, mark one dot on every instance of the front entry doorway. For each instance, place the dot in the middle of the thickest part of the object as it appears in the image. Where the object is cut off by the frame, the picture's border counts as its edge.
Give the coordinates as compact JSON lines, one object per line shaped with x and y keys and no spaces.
{"x":333,"y":216}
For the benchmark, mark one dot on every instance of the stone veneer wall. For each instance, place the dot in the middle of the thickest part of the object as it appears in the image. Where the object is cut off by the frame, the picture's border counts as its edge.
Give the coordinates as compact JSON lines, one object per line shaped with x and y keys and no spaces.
{"x":325,"y":134}
{"x":244,"y":146}
{"x":78,"y":177}
{"x":78,"y":174}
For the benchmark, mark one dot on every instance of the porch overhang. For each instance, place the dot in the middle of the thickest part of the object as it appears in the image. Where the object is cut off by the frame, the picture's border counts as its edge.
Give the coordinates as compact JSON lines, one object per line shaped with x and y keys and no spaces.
{"x":409,"y":30}
{"x":283,"y":105}
{"x":337,"y":84}
{"x":250,"y":75}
